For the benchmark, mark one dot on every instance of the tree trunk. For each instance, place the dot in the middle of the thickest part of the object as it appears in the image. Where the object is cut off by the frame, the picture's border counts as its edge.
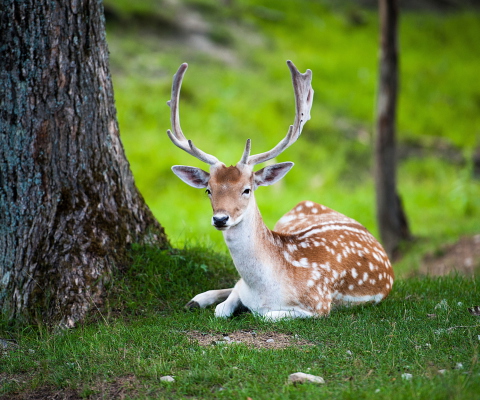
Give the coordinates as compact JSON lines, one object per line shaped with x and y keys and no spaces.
{"x":391,"y":218}
{"x":69,"y":207}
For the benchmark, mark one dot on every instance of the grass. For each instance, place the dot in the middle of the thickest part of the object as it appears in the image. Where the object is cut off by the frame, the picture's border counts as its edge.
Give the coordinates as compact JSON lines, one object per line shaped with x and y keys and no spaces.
{"x":422,"y":328}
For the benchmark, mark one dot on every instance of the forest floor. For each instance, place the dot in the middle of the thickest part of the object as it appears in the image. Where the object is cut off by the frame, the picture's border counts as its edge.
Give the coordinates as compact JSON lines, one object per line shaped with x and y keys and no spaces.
{"x":462,"y":256}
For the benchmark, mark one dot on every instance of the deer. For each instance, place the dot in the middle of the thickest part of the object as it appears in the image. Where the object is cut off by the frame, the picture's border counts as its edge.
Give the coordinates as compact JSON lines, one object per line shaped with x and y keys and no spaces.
{"x":315,"y":258}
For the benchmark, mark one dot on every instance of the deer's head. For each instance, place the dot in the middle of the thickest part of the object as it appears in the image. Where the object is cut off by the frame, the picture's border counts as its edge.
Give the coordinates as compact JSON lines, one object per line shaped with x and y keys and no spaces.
{"x":231,"y":188}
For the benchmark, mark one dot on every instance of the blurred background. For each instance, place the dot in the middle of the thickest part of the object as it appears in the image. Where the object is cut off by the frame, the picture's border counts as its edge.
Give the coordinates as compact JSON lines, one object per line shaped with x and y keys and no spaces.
{"x":238,"y":86}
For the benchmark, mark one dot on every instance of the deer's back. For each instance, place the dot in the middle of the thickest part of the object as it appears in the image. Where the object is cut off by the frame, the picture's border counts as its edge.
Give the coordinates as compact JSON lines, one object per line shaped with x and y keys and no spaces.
{"x":329,"y":253}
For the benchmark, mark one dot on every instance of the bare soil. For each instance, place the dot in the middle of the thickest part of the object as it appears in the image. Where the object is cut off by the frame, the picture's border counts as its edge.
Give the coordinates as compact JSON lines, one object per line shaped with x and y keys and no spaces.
{"x":270,"y":340}
{"x":121,"y":388}
{"x":462,"y":256}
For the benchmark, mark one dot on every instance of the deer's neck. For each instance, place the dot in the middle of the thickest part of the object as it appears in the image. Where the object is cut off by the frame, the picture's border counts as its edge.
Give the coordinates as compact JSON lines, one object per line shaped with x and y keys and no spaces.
{"x":251,"y":246}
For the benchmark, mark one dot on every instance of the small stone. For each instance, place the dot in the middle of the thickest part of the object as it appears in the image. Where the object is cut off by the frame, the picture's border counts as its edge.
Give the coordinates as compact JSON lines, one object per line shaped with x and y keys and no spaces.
{"x":301,"y":377}
{"x":349,"y":353}
{"x":442,"y":371}
{"x":459,"y":366}
{"x":270,"y":340}
{"x":167,"y":378}
{"x":227,"y":338}
{"x":407,"y":376}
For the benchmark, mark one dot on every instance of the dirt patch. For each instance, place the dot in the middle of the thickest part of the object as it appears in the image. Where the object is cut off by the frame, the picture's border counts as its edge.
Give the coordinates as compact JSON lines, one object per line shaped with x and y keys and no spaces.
{"x":269,"y":340}
{"x":462,"y":256}
{"x":121,"y":388}
{"x":45,"y":393}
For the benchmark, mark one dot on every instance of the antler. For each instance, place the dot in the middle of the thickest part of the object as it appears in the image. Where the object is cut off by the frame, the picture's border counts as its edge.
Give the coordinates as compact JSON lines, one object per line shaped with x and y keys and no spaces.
{"x":302,"y":86}
{"x":176,"y":135}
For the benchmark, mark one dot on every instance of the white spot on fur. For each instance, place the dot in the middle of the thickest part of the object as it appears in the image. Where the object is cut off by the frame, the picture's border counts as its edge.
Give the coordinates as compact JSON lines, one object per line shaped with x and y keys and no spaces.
{"x":325,"y":266}
{"x":316,"y":275}
{"x":287,"y":218}
{"x":304,"y":262}
{"x":354,"y":273}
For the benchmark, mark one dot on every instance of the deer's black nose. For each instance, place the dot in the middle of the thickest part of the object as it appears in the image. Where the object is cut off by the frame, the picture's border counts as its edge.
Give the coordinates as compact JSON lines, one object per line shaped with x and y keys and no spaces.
{"x":220,"y":221}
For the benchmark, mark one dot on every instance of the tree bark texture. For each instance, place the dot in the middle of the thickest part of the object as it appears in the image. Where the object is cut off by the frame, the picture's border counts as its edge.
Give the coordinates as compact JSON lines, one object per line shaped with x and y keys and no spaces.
{"x":391,"y":218}
{"x":69,"y":206}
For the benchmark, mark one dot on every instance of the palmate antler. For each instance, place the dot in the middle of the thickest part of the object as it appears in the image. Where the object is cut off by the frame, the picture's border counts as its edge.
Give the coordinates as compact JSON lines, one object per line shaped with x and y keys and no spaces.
{"x":303,"y":103}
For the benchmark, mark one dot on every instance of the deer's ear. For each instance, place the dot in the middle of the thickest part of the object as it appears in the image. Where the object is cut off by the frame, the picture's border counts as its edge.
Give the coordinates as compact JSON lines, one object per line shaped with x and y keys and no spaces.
{"x":192,"y":176}
{"x":272,"y":173}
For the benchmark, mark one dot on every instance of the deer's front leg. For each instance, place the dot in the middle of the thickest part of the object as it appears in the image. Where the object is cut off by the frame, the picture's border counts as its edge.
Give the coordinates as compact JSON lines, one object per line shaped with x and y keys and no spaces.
{"x":228,"y":307}
{"x":208,"y":298}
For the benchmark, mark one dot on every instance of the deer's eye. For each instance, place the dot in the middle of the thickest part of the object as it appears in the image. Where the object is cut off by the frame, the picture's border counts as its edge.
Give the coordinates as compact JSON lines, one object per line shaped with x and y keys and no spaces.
{"x":246,"y":191}
{"x":208,"y":191}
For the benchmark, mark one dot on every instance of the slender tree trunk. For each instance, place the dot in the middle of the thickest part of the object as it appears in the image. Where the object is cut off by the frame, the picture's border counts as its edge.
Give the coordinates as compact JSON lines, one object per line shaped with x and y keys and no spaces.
{"x":69,"y":207}
{"x":391,"y":218}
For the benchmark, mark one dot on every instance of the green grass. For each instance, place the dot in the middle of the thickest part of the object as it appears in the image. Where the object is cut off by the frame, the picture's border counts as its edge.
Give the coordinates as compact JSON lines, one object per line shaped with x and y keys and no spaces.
{"x":360,"y":352}
{"x":223,"y":104}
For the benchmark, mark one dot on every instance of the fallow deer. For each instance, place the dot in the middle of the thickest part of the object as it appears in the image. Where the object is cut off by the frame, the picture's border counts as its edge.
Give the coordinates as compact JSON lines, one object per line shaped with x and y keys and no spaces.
{"x":314,"y":257}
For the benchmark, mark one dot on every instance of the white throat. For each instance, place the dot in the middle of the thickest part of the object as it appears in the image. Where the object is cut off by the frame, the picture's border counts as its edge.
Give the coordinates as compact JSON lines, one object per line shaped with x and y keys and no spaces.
{"x":246,"y":242}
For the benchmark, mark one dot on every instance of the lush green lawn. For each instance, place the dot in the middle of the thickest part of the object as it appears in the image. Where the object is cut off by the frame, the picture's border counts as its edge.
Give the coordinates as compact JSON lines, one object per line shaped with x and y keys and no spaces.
{"x":422,"y":329}
{"x":224,"y":103}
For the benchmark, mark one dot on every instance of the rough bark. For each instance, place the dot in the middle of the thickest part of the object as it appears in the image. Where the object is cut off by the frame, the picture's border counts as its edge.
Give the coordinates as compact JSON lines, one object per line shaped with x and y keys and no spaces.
{"x":391,"y":218}
{"x":69,"y":207}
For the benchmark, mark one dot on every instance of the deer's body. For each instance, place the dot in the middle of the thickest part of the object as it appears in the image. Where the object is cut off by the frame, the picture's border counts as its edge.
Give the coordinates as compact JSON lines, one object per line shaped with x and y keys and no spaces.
{"x":315,"y":257}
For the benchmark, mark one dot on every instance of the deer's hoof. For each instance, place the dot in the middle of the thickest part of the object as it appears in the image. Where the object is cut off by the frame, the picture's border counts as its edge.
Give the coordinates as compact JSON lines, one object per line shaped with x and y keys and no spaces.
{"x":191,"y":305}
